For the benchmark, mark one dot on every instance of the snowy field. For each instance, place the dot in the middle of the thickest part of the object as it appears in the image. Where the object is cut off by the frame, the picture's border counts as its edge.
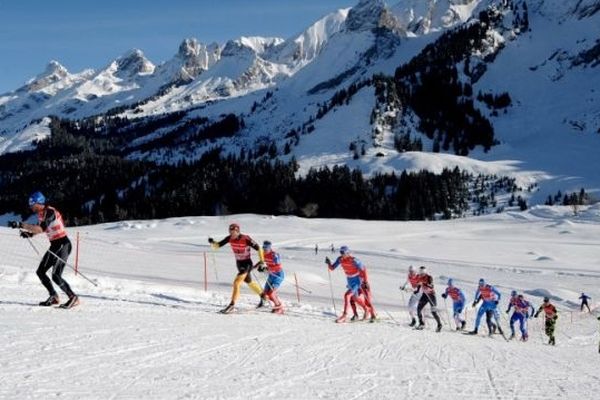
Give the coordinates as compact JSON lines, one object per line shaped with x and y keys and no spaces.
{"x":150,"y":329}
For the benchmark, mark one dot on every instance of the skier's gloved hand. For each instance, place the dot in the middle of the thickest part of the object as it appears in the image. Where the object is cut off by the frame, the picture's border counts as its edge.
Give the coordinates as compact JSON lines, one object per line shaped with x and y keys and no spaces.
{"x":15,"y":224}
{"x":444,"y":295}
{"x":366,"y":286}
{"x":496,"y":302}
{"x":211,"y":240}
{"x":25,"y":234}
{"x":327,"y":261}
{"x":261,"y":267}
{"x":474,"y":305}
{"x":507,"y":311}
{"x":403,"y":288}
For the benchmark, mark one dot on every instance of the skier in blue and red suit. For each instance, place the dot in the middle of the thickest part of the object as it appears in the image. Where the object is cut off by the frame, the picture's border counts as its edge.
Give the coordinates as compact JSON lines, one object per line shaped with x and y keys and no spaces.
{"x":490,"y":296}
{"x":356,"y":275}
{"x":458,"y":303}
{"x":521,"y":314}
{"x":272,"y":265}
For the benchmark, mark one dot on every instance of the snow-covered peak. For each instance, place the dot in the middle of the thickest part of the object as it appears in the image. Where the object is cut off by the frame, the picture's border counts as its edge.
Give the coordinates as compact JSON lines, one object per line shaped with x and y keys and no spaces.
{"x":53,"y":73}
{"x":133,"y":63}
{"x":561,"y":9}
{"x":423,"y":16}
{"x":305,"y":47}
{"x":369,"y":15}
{"x":259,"y":44}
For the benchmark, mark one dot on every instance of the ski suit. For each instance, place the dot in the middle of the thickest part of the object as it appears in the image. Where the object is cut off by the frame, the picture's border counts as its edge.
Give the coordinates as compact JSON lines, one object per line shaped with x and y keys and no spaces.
{"x":426,"y":286}
{"x":356,"y":277}
{"x":520,"y":314}
{"x":458,"y":303}
{"x":241,"y":246}
{"x":551,"y":315}
{"x":275,"y":278}
{"x":490,"y":296}
{"x":584,"y":301}
{"x":51,"y":222}
{"x":413,"y":280}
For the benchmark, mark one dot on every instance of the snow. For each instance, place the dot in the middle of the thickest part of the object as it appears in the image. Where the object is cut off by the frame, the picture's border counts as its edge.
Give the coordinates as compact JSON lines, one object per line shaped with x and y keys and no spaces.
{"x":150,"y":330}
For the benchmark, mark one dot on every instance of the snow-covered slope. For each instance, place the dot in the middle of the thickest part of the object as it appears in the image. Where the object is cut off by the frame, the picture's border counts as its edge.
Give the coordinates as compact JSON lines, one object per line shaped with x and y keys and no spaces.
{"x":150,"y":330}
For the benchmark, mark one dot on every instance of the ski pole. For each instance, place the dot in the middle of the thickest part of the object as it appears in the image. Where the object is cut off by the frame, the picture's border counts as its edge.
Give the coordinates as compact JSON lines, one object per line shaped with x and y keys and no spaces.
{"x":64,"y":261}
{"x":214,"y":262}
{"x":331,"y":290}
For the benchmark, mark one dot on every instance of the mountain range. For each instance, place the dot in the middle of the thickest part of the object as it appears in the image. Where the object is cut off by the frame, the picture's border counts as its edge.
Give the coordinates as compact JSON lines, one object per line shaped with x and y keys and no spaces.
{"x":500,"y":87}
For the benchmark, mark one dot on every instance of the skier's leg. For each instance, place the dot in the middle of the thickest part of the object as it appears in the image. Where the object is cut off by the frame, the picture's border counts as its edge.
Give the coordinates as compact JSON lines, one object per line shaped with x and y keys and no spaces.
{"x":237,"y":282}
{"x":480,"y":313}
{"x":62,"y":252}
{"x":44,"y":266}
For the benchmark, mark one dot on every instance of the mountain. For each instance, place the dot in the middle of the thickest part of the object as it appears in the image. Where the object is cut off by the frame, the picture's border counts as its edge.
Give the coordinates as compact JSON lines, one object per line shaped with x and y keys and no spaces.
{"x":495,"y":87}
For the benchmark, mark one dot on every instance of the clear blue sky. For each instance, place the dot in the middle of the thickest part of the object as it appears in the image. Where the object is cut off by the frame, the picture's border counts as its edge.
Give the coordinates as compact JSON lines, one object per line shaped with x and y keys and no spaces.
{"x":89,"y":34}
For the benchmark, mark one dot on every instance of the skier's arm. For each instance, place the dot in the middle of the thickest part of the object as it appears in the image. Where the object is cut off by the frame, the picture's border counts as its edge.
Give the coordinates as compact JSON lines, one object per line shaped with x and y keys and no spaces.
{"x":445,"y":294}
{"x":217,"y":245}
{"x":497,"y":293}
{"x":330,"y":265}
{"x":261,"y":254}
{"x":462,"y":296}
{"x":510,"y":304}
{"x":477,"y":298}
{"x":537,"y":313}
{"x":49,"y":218}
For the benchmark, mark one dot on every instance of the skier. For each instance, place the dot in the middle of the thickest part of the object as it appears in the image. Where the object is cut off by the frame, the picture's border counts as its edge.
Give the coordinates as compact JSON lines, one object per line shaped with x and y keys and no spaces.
{"x":413,"y":280}
{"x":551,"y":315}
{"x":428,"y":297}
{"x":356,"y":275}
{"x":50,"y":221}
{"x":273,"y":266}
{"x":490,"y":296}
{"x":584,"y":301}
{"x":458,"y":303}
{"x":521,"y":314}
{"x":241,"y":245}
{"x":316,"y":249}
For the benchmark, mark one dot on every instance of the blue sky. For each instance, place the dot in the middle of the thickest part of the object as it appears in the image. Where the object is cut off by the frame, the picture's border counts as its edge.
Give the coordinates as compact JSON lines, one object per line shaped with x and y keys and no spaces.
{"x":89,"y":34}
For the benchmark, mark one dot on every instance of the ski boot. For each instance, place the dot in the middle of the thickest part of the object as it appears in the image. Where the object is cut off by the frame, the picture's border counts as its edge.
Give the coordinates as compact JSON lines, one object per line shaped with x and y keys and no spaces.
{"x":552,"y":341}
{"x":473,"y":332}
{"x":439,"y":328}
{"x":228,"y":309}
{"x":512,"y":336}
{"x":341,"y":319}
{"x":354,"y":318}
{"x":261,"y":303}
{"x":72,"y":302}
{"x":420,"y":327}
{"x":524,"y":337}
{"x":462,"y":325}
{"x":413,"y":322}
{"x":50,"y":301}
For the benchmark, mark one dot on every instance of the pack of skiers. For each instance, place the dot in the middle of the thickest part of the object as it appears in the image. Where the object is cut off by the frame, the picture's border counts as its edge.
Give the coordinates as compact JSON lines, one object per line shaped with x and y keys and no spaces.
{"x":358,"y":293}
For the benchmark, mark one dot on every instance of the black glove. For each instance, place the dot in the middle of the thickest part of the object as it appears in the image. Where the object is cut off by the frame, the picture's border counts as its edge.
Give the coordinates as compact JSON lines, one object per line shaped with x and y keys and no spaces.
{"x":507,"y":311}
{"x":403,"y":288}
{"x":261,"y":267}
{"x":496,"y":302}
{"x":474,"y":304}
{"x":211,"y":240}
{"x":327,"y":261}
{"x":366,"y":286}
{"x":444,"y":295}
{"x":14,"y":224}
{"x":536,"y":315}
{"x":25,"y":234}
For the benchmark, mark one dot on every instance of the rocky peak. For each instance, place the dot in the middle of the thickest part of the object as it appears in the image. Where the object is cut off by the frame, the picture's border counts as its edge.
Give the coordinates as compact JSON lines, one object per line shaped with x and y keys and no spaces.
{"x":133,"y":63}
{"x":53,"y":73}
{"x":369,"y":15}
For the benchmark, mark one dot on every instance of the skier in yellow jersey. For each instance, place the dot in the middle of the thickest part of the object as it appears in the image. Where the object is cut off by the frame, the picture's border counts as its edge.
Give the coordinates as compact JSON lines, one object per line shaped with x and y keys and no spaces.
{"x":241,"y":245}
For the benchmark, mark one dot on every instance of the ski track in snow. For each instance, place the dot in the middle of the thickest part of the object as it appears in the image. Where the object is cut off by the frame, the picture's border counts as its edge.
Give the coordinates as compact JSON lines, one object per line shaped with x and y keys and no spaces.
{"x":151,"y":331}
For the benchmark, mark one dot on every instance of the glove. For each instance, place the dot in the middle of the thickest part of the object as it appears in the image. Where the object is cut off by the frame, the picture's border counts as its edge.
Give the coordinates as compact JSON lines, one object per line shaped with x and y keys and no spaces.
{"x":444,"y":295}
{"x":507,"y":311}
{"x":261,"y":267}
{"x":403,"y":288}
{"x":211,"y":240}
{"x":474,"y":305}
{"x":327,"y":261}
{"x":25,"y":234}
{"x":536,"y":315}
{"x":366,"y":286}
{"x":496,"y":302}
{"x":15,"y":224}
